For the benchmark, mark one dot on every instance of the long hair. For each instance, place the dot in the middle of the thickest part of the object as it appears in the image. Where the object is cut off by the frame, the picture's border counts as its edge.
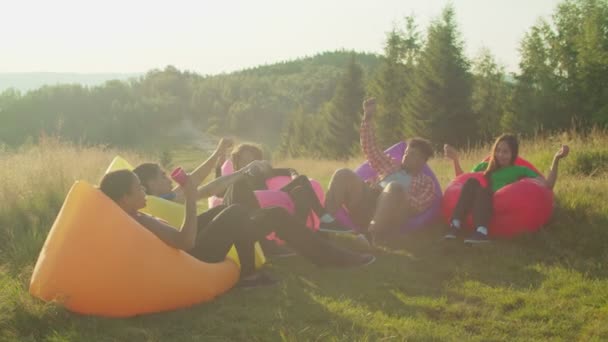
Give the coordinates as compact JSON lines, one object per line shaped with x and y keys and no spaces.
{"x":511,"y":140}
{"x":255,"y":150}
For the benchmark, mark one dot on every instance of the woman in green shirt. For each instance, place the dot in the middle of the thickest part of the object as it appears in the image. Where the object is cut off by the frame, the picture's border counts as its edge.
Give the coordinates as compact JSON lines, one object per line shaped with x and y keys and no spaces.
{"x":499,"y":171}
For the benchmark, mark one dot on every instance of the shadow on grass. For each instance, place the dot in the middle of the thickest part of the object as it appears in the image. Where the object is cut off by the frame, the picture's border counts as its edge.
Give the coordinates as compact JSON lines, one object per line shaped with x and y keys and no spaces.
{"x":421,"y":265}
{"x":415,"y":275}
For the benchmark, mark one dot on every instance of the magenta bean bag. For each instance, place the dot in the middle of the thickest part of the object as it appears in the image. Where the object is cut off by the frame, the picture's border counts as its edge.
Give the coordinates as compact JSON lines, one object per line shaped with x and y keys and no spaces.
{"x":274,"y":197}
{"x":366,"y":172}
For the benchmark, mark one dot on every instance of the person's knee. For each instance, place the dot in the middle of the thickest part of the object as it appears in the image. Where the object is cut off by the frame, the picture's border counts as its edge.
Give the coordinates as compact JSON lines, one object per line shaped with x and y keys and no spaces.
{"x":343,"y":174}
{"x":300,"y":179}
{"x":297,"y":192}
{"x":395,"y":188}
{"x":343,"y":178}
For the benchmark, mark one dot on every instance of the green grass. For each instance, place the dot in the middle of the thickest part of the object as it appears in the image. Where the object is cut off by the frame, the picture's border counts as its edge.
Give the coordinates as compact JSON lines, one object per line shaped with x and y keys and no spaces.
{"x":552,"y":285}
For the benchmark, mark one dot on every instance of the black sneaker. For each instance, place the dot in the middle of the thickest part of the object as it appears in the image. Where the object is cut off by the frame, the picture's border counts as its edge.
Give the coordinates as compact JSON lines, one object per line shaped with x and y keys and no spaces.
{"x":333,"y":227}
{"x":477,"y":238}
{"x":260,"y":280}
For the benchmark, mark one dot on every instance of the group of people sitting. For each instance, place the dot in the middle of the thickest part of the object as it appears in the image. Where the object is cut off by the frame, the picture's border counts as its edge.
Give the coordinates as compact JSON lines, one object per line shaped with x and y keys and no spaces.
{"x":400,"y":191}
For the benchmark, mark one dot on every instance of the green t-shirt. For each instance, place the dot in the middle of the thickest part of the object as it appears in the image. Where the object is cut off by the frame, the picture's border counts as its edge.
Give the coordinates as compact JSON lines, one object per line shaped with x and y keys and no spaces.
{"x":506,"y":175}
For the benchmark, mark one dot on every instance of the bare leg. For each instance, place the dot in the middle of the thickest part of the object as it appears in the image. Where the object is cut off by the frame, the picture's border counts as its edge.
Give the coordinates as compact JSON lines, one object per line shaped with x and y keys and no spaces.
{"x":345,"y":188}
{"x":390,"y":209}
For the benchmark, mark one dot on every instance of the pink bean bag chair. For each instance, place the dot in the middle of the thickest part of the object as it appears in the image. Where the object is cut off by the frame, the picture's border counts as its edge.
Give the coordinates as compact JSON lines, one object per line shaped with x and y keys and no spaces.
{"x":274,"y":197}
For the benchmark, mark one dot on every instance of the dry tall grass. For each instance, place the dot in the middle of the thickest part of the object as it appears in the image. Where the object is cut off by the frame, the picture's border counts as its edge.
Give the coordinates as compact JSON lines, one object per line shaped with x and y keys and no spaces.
{"x":548,"y":286}
{"x":35,"y":180}
{"x":538,"y":150}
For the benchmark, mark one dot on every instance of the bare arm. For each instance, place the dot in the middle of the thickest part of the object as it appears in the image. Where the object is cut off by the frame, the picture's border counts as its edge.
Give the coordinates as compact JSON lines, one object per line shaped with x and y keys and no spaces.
{"x":378,"y":160}
{"x":183,"y":238}
{"x":552,"y":175}
{"x":457,"y":168}
{"x":189,"y":226}
{"x":451,"y":153}
{"x":219,"y":185}
{"x":204,"y":169}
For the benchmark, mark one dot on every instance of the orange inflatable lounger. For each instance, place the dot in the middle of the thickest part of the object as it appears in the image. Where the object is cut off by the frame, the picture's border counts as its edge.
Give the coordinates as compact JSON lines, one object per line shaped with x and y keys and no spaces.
{"x":173,"y":212}
{"x":98,"y":260}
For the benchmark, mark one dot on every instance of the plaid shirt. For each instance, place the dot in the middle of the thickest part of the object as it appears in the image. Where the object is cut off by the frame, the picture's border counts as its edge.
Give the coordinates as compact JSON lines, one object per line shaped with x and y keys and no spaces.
{"x":421,"y":193}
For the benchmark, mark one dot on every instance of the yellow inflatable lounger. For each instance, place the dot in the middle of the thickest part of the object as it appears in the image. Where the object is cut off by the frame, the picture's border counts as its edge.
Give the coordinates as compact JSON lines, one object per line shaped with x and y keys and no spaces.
{"x":98,"y":260}
{"x":173,"y":212}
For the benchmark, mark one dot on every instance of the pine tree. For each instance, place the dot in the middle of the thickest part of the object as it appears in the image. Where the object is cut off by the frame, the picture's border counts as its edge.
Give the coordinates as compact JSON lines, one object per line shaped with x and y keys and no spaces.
{"x":343,"y":114}
{"x":391,"y":85}
{"x":300,"y":136}
{"x":564,"y":76}
{"x":490,"y":94}
{"x":438,"y":106}
{"x":537,"y":101}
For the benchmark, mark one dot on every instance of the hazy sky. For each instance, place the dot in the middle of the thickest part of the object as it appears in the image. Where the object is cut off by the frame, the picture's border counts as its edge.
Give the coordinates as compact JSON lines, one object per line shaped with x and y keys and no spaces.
{"x":216,"y":36}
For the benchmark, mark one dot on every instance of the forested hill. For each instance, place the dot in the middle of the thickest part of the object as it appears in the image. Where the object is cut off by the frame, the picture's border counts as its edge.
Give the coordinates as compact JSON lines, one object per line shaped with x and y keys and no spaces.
{"x":252,"y":103}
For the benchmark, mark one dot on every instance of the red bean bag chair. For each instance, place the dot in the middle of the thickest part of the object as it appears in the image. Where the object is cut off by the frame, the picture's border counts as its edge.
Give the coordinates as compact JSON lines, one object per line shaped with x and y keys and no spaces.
{"x":523,"y":206}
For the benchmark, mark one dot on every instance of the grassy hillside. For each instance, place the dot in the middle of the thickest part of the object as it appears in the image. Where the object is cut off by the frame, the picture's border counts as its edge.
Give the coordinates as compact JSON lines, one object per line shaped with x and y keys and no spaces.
{"x":552,"y":285}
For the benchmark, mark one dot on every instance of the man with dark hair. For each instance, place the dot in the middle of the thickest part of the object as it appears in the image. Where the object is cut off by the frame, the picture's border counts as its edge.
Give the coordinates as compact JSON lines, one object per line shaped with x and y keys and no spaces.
{"x":423,"y":145}
{"x":402,"y":189}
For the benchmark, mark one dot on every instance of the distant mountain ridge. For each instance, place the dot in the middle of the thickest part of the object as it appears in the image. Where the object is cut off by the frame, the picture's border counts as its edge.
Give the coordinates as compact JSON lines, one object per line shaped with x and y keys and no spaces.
{"x":26,"y":81}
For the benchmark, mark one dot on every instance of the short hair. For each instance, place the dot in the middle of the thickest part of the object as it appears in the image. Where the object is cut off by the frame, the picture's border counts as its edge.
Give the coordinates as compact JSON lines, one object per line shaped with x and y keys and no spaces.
{"x":117,"y":184}
{"x":255,"y":150}
{"x":145,"y":172}
{"x":423,"y":146}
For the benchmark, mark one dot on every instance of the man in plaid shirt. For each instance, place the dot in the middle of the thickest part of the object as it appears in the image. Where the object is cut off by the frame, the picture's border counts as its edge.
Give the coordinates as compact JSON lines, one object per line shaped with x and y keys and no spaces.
{"x":400,"y":190}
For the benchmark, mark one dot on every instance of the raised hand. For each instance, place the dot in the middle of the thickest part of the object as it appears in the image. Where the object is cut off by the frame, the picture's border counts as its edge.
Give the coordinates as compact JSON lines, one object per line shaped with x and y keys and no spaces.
{"x":369,"y":108}
{"x":224,"y":145}
{"x":563,"y":152}
{"x":450,"y":152}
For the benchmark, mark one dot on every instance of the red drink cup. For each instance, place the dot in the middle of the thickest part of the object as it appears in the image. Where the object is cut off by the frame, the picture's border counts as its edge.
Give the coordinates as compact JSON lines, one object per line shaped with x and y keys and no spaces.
{"x":179,"y":175}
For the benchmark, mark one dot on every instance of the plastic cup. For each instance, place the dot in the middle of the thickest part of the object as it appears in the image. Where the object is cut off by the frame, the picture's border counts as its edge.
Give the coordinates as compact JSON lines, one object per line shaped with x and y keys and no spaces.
{"x":179,"y":175}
